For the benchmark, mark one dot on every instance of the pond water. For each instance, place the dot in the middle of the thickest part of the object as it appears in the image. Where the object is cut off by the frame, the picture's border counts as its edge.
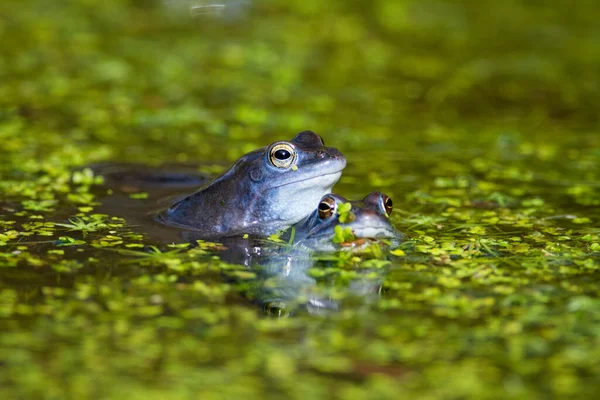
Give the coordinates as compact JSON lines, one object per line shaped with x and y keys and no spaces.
{"x":478,"y":118}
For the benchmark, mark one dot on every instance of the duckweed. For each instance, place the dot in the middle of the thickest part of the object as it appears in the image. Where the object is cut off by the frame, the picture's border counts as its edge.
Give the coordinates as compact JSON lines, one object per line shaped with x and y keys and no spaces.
{"x":474,"y":116}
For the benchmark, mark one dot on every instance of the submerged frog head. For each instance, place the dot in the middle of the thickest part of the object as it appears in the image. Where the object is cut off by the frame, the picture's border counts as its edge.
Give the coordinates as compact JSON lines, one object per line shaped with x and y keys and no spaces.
{"x":264,"y":192}
{"x":338,"y":223}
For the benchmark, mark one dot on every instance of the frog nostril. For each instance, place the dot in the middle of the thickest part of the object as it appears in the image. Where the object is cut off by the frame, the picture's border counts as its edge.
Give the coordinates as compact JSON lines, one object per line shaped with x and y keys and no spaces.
{"x":321,"y":154}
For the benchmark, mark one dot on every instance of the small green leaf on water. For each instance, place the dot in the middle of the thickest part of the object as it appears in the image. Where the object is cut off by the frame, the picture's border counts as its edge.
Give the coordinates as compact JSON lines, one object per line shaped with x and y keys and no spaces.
{"x":80,"y":198}
{"x":69,"y":241}
{"x":139,"y":196}
{"x":428,"y":239}
{"x":345,"y":213}
{"x":535,"y":202}
{"x":84,"y":224}
{"x":375,"y":250}
{"x":338,"y":234}
{"x":86,"y":177}
{"x":276,"y":237}
{"x":477,"y":230}
{"x":583,"y":220}
{"x":342,"y":234}
{"x":179,"y":245}
{"x":344,"y":208}
{"x":43,"y":205}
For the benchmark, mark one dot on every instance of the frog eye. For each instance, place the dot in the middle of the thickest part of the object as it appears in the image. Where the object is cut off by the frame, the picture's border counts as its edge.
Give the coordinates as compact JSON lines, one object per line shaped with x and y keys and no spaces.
{"x":388,"y":204}
{"x":326,"y":208}
{"x":282,"y":155}
{"x":277,"y":309}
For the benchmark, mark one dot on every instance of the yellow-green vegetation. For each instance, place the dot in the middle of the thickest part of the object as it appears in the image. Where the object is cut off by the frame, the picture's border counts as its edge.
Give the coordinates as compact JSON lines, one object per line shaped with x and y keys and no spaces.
{"x":342,"y":234}
{"x":478,"y":118}
{"x":345,"y":213}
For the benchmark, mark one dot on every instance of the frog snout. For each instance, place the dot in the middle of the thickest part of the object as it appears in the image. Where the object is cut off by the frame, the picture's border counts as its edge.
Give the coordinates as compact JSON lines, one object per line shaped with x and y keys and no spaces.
{"x":332,"y":153}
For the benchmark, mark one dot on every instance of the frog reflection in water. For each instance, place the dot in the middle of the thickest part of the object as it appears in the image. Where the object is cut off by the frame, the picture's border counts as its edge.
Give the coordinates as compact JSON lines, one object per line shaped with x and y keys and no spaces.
{"x":283,"y":284}
{"x":264,"y":192}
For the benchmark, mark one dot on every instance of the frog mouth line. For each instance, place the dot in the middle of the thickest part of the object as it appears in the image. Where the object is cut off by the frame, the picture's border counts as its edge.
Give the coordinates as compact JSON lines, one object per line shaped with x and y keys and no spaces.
{"x":338,"y":172}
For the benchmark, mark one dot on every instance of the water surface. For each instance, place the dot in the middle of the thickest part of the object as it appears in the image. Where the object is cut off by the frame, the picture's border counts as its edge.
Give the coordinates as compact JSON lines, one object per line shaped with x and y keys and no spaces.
{"x":478,"y":118}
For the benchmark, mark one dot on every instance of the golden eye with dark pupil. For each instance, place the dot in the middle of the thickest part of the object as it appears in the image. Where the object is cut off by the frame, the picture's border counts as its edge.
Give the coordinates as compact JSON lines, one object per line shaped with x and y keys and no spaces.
{"x":326,"y":208}
{"x":282,"y":155}
{"x":388,"y":204}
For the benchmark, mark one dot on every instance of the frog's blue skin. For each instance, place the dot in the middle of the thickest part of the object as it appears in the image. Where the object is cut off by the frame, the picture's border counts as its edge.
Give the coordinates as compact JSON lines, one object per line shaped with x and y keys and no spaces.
{"x":283,"y":284}
{"x":257,"y":198}
{"x":370,"y":220}
{"x":290,"y":287}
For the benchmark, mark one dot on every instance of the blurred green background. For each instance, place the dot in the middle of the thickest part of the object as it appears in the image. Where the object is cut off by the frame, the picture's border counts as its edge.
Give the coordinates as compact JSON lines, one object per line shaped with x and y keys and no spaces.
{"x":480,"y":119}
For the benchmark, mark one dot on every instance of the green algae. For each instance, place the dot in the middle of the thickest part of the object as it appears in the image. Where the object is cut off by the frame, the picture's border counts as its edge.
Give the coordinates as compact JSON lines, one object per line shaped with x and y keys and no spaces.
{"x":475,"y":117}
